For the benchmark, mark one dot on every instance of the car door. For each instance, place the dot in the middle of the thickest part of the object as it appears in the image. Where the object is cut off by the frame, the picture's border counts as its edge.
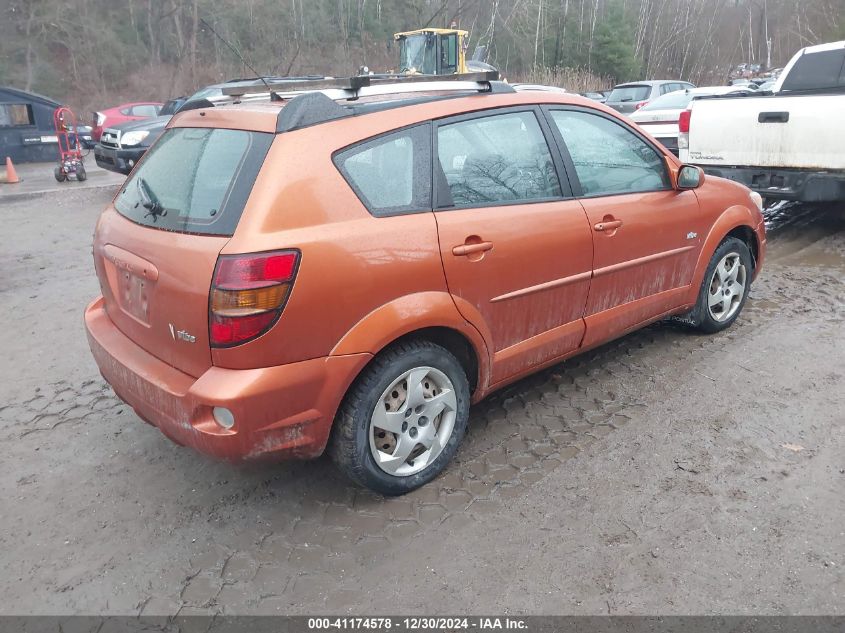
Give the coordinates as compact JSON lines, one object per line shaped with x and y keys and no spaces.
{"x":646,"y":235}
{"x":516,"y":248}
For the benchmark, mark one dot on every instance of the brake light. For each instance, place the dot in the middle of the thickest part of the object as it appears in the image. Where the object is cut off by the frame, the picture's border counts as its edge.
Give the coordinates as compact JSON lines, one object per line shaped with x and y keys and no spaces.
{"x":640,"y":105}
{"x":684,"y":121}
{"x":248,"y":294}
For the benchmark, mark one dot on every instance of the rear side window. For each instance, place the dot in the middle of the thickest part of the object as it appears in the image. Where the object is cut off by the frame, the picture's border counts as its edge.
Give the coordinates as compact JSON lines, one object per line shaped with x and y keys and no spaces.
{"x":817,"y":71}
{"x":391,"y":174}
{"x":609,"y":158}
{"x":497,"y":159}
{"x":145,"y":110}
{"x":194,"y":180}
{"x":629,"y":93}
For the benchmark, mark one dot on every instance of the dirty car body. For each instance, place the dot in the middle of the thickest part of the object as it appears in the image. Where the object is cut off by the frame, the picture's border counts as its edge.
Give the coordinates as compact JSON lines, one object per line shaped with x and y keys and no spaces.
{"x":253,"y":317}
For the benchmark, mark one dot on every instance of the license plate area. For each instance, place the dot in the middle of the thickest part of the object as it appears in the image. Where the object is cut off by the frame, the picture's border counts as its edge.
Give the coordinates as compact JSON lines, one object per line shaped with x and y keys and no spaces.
{"x":134,"y":293}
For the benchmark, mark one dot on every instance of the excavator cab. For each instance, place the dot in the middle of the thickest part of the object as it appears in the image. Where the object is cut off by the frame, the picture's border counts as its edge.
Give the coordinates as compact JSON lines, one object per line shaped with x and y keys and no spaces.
{"x":432,"y":51}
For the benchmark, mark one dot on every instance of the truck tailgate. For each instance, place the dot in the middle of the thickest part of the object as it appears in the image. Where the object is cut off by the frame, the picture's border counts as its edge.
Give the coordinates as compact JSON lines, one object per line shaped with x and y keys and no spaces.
{"x":802,"y":132}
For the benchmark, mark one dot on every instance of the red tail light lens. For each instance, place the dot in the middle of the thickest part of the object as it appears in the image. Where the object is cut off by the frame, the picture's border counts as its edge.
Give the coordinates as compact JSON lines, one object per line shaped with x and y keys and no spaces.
{"x":640,"y":105}
{"x":248,"y":294}
{"x":684,"y":121}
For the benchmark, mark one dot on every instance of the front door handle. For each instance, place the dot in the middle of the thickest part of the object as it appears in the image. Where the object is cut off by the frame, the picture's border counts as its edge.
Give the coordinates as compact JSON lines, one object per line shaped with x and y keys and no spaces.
{"x":469,"y":249}
{"x":609,"y":225}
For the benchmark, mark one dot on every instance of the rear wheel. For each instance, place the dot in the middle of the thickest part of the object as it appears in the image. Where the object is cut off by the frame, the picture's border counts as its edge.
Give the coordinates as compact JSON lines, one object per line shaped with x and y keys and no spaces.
{"x":725,"y":287}
{"x":59,"y":174}
{"x":403,"y":419}
{"x":80,"y":173}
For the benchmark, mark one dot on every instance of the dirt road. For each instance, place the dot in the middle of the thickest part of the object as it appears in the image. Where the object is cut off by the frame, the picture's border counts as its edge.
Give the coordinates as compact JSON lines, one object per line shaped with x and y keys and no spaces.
{"x":665,"y":472}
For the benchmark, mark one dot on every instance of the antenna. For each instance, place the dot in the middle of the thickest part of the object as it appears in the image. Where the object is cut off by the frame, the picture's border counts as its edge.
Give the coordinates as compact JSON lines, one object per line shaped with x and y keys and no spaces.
{"x":235,"y":51}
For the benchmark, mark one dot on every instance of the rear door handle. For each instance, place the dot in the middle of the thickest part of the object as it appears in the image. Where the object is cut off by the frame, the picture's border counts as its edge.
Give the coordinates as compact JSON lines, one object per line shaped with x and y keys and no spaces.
{"x":773,"y":117}
{"x":610,"y":225}
{"x":469,"y":249}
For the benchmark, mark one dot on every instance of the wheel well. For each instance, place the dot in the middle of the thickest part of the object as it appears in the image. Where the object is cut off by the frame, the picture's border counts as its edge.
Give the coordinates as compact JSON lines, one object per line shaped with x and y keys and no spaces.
{"x":746,"y":234}
{"x":453,"y":341}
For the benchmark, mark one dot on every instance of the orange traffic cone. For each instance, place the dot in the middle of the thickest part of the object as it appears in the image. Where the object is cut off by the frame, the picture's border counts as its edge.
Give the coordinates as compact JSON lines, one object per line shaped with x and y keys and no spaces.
{"x":11,"y":174}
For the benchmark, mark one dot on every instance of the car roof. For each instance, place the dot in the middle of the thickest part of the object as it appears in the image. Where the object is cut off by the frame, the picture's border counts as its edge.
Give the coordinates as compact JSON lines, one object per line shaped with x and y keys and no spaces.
{"x":267,"y":116}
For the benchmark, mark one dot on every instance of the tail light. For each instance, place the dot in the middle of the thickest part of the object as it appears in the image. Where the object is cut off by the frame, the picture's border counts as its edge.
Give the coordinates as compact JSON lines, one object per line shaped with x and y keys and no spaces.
{"x":684,"y":120}
{"x":248,"y":294}
{"x":639,"y":105}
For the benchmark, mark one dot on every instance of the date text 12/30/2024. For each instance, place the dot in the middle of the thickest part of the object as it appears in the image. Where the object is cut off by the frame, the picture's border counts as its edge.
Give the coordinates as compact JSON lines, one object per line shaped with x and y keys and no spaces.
{"x":417,"y":623}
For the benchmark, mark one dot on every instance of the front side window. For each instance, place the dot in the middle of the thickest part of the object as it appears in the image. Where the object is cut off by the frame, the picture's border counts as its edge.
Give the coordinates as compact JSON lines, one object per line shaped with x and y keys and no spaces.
{"x":609,"y":158}
{"x":497,"y":159}
{"x":391,"y":174}
{"x":194,"y":180}
{"x":15,"y":115}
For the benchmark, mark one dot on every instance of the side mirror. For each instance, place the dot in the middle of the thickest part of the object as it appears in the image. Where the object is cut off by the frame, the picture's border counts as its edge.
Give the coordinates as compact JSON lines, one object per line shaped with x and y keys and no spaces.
{"x":690,"y":177}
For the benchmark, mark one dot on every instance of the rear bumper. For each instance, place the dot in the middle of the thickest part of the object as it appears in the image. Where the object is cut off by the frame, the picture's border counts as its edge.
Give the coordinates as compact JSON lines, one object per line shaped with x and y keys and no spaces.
{"x":786,"y":184}
{"x":118,"y":159}
{"x":283,"y":412}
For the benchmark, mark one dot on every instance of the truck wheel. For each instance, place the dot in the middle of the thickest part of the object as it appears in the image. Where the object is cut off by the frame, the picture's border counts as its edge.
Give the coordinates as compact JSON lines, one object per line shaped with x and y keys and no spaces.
{"x":59,"y":174}
{"x":725,"y":287}
{"x":403,"y":419}
{"x":81,"y":176}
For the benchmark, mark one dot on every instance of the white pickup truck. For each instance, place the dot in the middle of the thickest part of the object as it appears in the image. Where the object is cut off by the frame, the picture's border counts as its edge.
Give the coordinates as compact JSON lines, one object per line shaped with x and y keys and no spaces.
{"x":788,"y":144}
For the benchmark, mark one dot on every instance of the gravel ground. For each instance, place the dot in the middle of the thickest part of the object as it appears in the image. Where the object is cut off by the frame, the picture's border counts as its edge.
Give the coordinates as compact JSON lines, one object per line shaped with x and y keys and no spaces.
{"x":666,"y":472}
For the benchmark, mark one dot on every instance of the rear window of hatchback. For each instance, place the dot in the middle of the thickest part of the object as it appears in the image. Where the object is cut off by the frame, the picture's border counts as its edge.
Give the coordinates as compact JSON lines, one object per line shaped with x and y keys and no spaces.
{"x":629,"y":93}
{"x":194,"y":180}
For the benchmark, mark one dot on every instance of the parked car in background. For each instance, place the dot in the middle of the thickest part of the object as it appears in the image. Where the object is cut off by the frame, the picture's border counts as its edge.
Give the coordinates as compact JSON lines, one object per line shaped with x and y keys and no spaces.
{"x":216,"y":90}
{"x":122,"y":113}
{"x":538,"y":88}
{"x":122,"y":145}
{"x":595,"y":96}
{"x":785,"y":144}
{"x":660,"y":117}
{"x":630,"y":97}
{"x":460,"y":244}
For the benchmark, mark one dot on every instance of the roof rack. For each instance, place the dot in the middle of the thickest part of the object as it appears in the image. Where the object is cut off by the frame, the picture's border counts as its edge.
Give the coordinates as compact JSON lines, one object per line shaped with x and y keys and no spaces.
{"x":370,"y":85}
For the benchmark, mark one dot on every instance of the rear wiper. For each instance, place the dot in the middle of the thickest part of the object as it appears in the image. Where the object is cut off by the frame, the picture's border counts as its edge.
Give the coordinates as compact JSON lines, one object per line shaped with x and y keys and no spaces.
{"x":150,"y":201}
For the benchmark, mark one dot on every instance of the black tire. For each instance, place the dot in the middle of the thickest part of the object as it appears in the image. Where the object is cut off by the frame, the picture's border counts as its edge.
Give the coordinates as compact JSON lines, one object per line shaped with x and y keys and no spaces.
{"x":81,"y":176}
{"x":349,"y":445}
{"x":59,"y":174}
{"x":701,"y":316}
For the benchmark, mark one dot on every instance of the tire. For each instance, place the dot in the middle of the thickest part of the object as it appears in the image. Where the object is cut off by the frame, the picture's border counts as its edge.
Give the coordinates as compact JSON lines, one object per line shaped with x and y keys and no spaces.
{"x":375,"y":457}
{"x":59,"y":174}
{"x":724,"y":289}
{"x":81,"y":176}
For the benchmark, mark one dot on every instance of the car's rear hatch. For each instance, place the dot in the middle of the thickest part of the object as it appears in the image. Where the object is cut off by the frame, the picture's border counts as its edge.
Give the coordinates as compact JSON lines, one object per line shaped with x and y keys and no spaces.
{"x":156,"y":248}
{"x":658,"y":123}
{"x":626,"y":98}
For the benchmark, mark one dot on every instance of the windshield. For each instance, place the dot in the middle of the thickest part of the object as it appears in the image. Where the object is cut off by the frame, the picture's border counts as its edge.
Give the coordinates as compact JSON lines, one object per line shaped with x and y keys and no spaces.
{"x":170,"y":107}
{"x":629,"y":93}
{"x":194,"y":180}
{"x":677,"y":100}
{"x":416,"y":52}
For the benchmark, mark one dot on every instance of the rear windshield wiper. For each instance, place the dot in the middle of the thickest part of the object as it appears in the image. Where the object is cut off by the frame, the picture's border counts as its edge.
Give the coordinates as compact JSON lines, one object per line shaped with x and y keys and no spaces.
{"x":150,"y":201}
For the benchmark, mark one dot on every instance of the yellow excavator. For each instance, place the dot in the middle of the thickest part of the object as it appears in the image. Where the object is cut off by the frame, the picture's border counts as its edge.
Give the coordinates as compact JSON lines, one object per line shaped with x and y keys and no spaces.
{"x":433,"y":51}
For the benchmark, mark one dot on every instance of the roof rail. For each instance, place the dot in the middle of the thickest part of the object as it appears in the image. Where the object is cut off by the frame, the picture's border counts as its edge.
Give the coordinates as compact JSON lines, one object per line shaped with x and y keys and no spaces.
{"x":370,"y":85}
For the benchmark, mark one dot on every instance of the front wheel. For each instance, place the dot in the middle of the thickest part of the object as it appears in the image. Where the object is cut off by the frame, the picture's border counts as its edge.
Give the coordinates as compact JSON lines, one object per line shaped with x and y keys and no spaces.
{"x":80,"y":173}
{"x":403,"y":419}
{"x":59,"y":174}
{"x":725,"y":287}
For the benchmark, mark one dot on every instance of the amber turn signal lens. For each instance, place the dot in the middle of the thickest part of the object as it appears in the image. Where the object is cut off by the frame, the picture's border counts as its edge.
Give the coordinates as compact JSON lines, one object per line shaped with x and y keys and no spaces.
{"x":234,"y":303}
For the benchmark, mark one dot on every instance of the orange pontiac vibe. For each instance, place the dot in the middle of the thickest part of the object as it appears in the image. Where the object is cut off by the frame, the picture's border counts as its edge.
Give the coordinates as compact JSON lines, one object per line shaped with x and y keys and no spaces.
{"x":348,"y":266}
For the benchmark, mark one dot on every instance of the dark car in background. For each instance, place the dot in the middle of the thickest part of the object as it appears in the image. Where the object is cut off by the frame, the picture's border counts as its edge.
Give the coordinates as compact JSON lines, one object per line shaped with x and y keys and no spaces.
{"x":630,"y":97}
{"x":122,"y":145}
